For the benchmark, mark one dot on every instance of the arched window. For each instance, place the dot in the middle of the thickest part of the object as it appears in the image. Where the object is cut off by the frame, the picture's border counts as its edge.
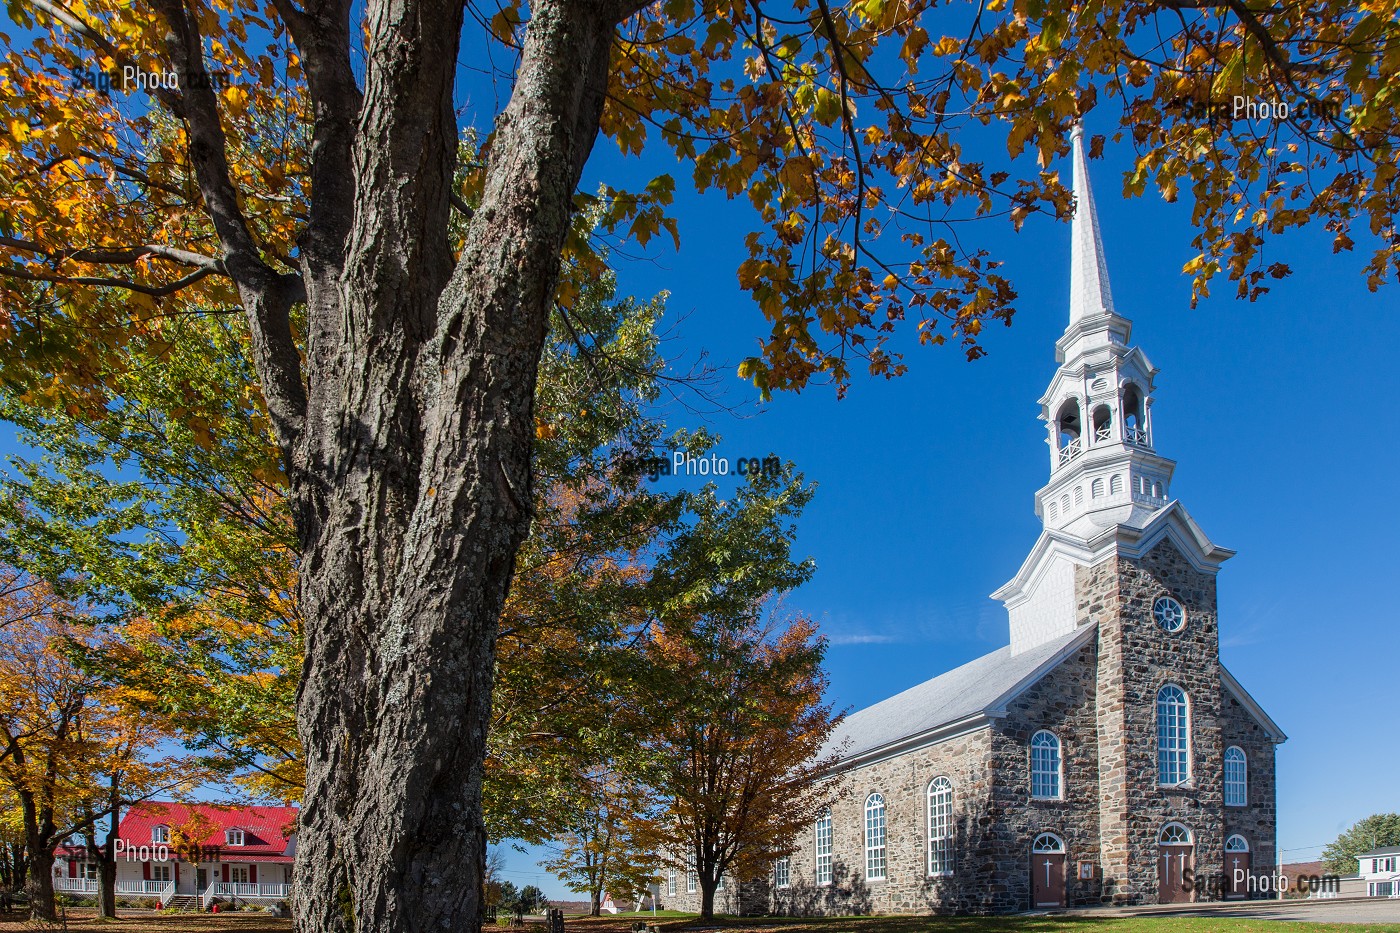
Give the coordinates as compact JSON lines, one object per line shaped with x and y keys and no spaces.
{"x":1236,"y":843}
{"x":1048,"y":842}
{"x":823,"y":849}
{"x":1045,"y":766}
{"x":1134,"y":416}
{"x":1064,"y":503}
{"x":1236,"y":777}
{"x":940,"y":826}
{"x":1115,"y":485}
{"x":1156,"y":490}
{"x":1174,"y":834}
{"x":874,"y":837}
{"x":1054,"y":511}
{"x":1068,"y":426}
{"x":160,"y":834}
{"x":1096,"y":488}
{"x":1173,"y":736}
{"x":1078,"y":495}
{"x":1103,"y":424}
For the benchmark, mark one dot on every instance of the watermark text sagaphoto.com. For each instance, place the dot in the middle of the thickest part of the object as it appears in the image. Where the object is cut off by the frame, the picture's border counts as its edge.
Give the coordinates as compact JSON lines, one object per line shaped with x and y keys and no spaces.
{"x":683,"y":463}
{"x":130,"y":78}
{"x":161,"y":852}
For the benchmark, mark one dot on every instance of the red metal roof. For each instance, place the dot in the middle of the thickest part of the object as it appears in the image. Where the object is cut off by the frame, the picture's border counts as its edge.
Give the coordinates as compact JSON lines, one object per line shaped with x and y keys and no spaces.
{"x":265,"y":829}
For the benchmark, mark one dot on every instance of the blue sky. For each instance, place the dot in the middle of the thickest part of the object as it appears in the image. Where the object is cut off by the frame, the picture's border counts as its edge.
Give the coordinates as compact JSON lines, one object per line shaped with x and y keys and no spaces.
{"x":1278,"y":413}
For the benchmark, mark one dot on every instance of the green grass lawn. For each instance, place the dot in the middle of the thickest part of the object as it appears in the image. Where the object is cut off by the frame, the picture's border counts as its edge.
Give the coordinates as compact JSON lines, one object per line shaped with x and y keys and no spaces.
{"x":1046,"y":924}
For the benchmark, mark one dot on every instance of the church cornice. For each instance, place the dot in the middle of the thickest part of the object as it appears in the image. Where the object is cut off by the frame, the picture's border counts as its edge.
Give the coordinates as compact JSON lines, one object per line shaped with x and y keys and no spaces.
{"x":1172,"y":522}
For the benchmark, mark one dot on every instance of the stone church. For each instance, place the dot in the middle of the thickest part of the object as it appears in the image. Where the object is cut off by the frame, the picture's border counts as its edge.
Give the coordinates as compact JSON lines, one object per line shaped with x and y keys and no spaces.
{"x":1105,"y":755}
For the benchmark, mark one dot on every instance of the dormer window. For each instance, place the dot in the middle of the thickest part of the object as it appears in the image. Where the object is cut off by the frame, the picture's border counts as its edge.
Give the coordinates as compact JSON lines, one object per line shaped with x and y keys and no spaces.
{"x":160,"y":835}
{"x":233,"y":837}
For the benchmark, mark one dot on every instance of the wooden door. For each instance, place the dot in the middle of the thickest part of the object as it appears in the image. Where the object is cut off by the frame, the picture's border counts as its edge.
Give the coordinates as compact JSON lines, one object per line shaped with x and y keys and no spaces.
{"x":1175,"y":873}
{"x":1047,"y":879}
{"x":1237,"y":874}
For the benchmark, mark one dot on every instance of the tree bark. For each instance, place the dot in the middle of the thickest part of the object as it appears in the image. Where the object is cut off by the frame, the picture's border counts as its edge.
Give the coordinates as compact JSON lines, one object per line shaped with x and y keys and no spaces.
{"x":707,"y":897}
{"x":41,"y":899}
{"x":412,"y":481}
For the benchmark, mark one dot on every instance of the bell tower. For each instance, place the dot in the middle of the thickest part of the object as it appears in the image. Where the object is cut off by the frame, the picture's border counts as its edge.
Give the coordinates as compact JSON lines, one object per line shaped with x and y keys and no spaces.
{"x":1104,"y":468}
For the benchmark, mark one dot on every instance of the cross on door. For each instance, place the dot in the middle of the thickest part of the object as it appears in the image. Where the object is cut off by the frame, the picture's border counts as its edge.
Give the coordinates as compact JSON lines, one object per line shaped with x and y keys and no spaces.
{"x":1047,"y":872}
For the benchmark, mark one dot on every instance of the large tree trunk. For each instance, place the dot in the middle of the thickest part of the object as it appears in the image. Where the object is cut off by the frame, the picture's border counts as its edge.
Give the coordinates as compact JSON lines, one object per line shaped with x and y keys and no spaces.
{"x":707,"y":897}
{"x":413,"y":490}
{"x":40,"y":886}
{"x":107,"y":889}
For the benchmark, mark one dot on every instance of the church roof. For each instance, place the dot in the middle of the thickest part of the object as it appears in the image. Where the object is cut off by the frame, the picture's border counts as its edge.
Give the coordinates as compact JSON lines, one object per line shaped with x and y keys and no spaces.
{"x":960,"y":700}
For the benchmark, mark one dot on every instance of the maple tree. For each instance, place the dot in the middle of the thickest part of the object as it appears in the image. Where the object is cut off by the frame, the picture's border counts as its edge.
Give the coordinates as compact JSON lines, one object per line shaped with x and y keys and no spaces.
{"x":396,"y":366}
{"x":599,"y":850}
{"x":77,"y":751}
{"x":739,"y":762}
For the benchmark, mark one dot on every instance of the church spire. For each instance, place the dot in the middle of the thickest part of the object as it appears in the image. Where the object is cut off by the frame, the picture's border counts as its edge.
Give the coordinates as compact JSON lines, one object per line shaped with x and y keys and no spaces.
{"x":1088,"y":281}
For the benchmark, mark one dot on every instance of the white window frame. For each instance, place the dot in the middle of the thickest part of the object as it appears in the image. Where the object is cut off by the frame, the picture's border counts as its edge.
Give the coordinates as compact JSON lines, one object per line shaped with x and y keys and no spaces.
{"x":160,"y":835}
{"x":671,"y":884}
{"x":875,"y":850}
{"x":823,"y":849}
{"x":238,"y":874}
{"x":1236,"y":775}
{"x":719,"y":884}
{"x":160,"y":871}
{"x":940,"y":827}
{"x":234,"y":837}
{"x":1173,"y":736}
{"x":692,"y":881}
{"x":782,"y":873}
{"x":1047,"y":766}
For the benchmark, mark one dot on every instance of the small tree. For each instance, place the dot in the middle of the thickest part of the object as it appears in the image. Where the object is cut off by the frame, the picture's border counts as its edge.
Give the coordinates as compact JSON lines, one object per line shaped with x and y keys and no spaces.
{"x":600,"y":848}
{"x":1378,"y":829}
{"x":737,"y":746}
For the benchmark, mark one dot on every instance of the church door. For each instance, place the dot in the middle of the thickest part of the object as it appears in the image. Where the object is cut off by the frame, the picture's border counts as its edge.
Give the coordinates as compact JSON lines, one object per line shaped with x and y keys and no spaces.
{"x":1047,"y":871}
{"x":1236,"y":867}
{"x":1175,"y":865}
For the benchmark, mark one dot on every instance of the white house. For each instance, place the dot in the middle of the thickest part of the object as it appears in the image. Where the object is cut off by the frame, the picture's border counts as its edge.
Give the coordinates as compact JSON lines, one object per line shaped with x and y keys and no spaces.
{"x":191,"y":855}
{"x":1380,"y":870}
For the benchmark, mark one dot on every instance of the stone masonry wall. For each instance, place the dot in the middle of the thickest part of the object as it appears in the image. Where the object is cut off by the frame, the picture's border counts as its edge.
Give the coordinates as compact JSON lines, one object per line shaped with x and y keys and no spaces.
{"x":1063,"y":703}
{"x":1257,"y":821}
{"x":1137,"y":658}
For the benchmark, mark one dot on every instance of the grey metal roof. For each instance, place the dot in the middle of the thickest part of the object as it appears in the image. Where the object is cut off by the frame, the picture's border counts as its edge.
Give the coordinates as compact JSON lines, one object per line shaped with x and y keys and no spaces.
{"x":1383,"y":850}
{"x":978,"y":687}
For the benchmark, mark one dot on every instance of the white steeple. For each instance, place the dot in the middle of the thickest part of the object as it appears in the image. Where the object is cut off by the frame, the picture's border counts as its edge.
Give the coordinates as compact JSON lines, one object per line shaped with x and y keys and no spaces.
{"x":1089,"y":293}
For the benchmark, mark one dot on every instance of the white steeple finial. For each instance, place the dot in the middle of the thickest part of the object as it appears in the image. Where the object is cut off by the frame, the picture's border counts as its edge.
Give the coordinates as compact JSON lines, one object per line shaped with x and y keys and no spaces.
{"x":1088,"y":279}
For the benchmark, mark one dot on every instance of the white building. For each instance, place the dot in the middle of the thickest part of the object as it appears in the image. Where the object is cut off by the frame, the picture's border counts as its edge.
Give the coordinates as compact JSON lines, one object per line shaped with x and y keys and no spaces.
{"x":1380,"y":870}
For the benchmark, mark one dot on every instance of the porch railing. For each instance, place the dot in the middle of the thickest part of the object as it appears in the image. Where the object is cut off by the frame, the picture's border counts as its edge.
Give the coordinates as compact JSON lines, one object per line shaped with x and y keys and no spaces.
{"x":1136,"y":436}
{"x":1070,"y":451}
{"x":245,"y":890}
{"x":75,"y":885}
{"x":151,"y":888}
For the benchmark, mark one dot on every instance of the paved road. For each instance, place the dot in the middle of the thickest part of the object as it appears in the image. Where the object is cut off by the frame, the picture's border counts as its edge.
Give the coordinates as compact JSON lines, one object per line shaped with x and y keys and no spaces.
{"x":1332,"y":910}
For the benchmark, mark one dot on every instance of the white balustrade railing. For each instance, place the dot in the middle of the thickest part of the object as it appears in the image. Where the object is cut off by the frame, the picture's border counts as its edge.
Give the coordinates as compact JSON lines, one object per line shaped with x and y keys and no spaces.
{"x":75,"y":885}
{"x":1070,"y":451}
{"x":143,"y":887}
{"x":1136,"y":436}
{"x":1104,"y":433}
{"x":245,"y":889}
